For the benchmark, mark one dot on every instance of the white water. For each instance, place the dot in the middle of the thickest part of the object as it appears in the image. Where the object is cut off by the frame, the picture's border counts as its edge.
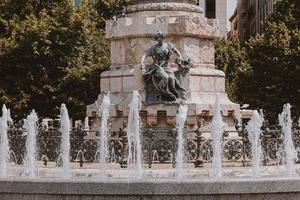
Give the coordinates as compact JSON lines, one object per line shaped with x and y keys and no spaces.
{"x":44,"y":159}
{"x":80,"y":156}
{"x":134,"y":136}
{"x":9,"y":119}
{"x":217,"y":129}
{"x":104,"y":135}
{"x":254,"y":132}
{"x":86,"y":124}
{"x":181,"y":157}
{"x":30,"y":125}
{"x":4,"y":146}
{"x":239,"y":120}
{"x":285,"y":121}
{"x":65,"y":128}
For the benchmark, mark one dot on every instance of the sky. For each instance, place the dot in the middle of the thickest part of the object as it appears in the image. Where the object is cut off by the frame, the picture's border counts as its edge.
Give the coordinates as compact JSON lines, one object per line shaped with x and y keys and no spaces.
{"x":230,"y":7}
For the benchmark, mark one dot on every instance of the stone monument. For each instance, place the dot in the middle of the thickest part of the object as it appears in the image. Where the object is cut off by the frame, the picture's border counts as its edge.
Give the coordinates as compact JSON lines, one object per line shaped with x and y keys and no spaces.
{"x":183,"y":25}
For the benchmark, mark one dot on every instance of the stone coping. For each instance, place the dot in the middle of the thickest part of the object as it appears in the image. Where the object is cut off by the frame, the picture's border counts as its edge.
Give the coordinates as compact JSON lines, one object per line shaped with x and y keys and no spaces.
{"x":149,"y":187}
{"x":168,"y":6}
{"x":139,"y":26}
{"x":132,"y":2}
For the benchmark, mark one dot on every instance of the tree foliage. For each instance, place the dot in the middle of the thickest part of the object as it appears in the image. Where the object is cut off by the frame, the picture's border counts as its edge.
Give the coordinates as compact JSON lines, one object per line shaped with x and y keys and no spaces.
{"x":110,"y":8}
{"x":275,"y":60}
{"x":272,"y":76}
{"x":232,"y":59}
{"x":50,"y":52}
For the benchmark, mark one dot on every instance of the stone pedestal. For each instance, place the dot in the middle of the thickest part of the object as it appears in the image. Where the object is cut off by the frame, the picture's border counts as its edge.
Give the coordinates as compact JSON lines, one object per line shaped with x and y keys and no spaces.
{"x":194,"y":35}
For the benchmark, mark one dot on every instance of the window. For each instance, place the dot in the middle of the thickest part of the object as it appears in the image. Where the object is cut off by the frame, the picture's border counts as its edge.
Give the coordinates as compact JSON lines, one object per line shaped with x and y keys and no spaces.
{"x":210,"y":7}
{"x":253,"y":28}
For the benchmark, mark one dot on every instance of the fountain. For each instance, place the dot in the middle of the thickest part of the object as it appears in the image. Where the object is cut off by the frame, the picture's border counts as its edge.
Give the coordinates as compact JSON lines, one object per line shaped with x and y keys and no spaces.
{"x":180,"y":158}
{"x":9,"y":119}
{"x":134,"y":136}
{"x":254,"y":134}
{"x":217,"y":130}
{"x":136,"y":181}
{"x":152,"y":87}
{"x":104,"y":135}
{"x":65,"y":128}
{"x":80,"y":158}
{"x":4,"y":146}
{"x":86,"y":124}
{"x":30,"y":125}
{"x":285,"y":121}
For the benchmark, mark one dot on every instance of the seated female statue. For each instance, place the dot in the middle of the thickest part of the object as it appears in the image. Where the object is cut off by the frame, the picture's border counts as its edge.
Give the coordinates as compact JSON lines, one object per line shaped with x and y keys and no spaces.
{"x":160,"y":73}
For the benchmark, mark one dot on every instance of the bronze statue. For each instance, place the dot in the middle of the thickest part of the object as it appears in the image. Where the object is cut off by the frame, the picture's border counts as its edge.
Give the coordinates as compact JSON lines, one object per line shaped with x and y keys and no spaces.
{"x":162,"y":85}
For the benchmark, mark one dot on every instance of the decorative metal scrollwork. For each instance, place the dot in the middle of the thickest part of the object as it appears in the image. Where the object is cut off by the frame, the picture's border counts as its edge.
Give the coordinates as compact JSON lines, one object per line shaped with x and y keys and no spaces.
{"x":248,"y":150}
{"x":159,"y":145}
{"x":17,"y":141}
{"x":162,"y":149}
{"x":90,"y":150}
{"x":191,"y":150}
{"x":207,"y":152}
{"x":233,"y":150}
{"x":272,"y":147}
{"x":116,"y":151}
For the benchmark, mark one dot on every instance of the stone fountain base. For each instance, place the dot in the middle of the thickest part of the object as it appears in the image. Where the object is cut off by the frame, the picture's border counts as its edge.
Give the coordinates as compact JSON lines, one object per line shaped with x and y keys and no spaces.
{"x":233,"y":189}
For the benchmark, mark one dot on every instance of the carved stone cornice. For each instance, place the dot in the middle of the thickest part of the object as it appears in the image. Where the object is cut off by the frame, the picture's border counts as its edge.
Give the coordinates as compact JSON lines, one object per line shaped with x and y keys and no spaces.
{"x":168,"y":6}
{"x":132,"y":2}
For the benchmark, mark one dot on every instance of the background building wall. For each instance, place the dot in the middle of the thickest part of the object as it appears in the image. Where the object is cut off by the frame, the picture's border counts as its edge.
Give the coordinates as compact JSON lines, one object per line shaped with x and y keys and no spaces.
{"x":221,"y":15}
{"x":251,"y":15}
{"x":233,"y":26}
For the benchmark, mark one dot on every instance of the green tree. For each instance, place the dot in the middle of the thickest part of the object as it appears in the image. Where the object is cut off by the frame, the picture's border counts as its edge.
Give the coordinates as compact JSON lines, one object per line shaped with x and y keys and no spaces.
{"x":231,"y":58}
{"x":287,"y":12}
{"x":91,"y":55}
{"x":275,"y":60}
{"x":266,"y":72}
{"x":50,"y":52}
{"x":110,"y":8}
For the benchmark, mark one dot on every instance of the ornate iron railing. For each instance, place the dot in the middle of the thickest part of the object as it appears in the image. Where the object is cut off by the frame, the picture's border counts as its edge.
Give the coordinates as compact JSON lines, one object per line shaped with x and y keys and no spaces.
{"x":159,"y":145}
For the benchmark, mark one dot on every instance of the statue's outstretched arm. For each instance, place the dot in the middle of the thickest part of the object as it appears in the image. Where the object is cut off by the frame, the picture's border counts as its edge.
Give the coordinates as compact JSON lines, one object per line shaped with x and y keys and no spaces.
{"x":184,"y":65}
{"x":145,"y":56}
{"x":177,"y":52}
{"x":143,"y":68}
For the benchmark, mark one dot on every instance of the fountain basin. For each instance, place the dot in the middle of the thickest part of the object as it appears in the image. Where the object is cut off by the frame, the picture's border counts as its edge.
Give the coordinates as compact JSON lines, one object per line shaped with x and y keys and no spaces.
{"x":75,"y":189}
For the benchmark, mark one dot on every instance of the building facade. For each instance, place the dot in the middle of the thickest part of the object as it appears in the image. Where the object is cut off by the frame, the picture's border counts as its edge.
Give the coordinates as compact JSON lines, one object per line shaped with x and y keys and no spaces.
{"x":216,"y":9}
{"x":263,"y":9}
{"x":250,"y":17}
{"x":233,"y":26}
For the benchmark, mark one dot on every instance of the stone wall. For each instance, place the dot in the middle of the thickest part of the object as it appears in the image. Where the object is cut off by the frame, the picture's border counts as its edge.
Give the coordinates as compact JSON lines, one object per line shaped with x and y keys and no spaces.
{"x":279,"y":196}
{"x":236,"y":189}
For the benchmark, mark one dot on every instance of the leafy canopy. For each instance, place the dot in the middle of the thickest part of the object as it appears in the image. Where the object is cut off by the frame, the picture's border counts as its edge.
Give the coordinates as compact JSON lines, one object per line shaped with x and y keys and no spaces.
{"x":51,"y":52}
{"x":266,"y":73}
